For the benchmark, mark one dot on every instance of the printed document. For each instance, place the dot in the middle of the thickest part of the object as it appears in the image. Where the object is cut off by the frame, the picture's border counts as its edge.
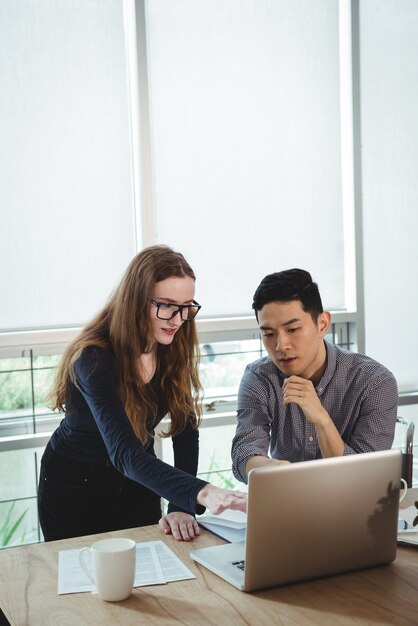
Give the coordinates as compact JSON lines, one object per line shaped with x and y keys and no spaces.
{"x":156,"y":564}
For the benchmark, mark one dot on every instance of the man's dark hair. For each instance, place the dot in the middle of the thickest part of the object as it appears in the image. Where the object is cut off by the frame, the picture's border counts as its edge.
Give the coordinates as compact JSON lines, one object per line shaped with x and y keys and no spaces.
{"x":294,"y":284}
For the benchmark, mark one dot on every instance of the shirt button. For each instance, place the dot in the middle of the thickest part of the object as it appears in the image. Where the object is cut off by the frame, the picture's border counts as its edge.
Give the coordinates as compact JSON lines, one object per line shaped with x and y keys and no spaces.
{"x":311,"y":438}
{"x":320,"y":389}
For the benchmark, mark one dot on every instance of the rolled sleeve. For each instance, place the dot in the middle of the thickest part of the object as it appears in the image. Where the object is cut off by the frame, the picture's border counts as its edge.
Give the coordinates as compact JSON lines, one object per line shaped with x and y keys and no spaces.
{"x":249,"y":441}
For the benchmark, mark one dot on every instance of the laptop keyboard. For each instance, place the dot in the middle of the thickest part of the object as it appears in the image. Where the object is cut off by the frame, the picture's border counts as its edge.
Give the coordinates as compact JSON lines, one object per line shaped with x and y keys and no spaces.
{"x":239,"y":564}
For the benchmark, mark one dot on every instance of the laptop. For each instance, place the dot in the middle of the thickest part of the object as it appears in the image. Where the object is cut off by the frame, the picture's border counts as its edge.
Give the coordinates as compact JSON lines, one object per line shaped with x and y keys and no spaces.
{"x":312,"y":519}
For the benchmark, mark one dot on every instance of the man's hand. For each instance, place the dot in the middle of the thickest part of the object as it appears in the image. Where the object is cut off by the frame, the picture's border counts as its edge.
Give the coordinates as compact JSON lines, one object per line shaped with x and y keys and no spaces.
{"x":302,"y":392}
{"x":182,"y":526}
{"x":218,"y":500}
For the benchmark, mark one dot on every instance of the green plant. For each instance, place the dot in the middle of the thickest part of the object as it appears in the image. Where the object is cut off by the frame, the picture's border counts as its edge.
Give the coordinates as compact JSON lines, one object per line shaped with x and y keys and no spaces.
{"x":11,"y":526}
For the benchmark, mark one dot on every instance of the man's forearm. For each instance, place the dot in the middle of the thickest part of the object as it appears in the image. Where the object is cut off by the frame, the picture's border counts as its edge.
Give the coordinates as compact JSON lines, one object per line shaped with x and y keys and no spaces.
{"x":261,"y":461}
{"x":329,"y":439}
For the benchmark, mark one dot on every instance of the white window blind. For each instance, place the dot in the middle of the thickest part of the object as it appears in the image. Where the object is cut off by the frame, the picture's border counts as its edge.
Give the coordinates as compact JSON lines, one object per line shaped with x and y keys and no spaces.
{"x":245,"y":127}
{"x":389,"y":105}
{"x":66,"y":210}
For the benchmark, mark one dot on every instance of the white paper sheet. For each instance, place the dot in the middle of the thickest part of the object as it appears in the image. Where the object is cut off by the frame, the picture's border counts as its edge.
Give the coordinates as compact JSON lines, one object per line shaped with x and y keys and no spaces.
{"x":155,"y":564}
{"x":229,"y":525}
{"x":173,"y":568}
{"x":148,"y":570}
{"x":229,"y":518}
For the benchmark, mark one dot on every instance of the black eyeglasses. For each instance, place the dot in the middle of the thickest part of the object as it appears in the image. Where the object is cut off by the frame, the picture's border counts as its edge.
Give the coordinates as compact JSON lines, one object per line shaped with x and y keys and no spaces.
{"x":167,"y":311}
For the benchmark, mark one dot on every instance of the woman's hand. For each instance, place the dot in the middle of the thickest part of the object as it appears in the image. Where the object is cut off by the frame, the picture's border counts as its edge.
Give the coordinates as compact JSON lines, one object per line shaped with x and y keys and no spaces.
{"x":218,"y":500}
{"x":182,"y":526}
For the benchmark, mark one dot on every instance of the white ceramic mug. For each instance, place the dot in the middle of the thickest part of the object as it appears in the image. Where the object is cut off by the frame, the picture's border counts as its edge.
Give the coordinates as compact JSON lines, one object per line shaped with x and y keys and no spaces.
{"x":403,"y":491}
{"x":113,"y":563}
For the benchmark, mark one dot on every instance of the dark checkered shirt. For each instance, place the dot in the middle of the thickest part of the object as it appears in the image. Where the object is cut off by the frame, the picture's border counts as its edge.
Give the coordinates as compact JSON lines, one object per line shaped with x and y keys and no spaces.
{"x":359,"y":394}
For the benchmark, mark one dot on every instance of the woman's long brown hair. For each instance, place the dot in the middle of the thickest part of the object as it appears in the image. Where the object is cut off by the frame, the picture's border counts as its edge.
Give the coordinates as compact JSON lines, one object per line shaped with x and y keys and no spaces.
{"x":124,"y":326}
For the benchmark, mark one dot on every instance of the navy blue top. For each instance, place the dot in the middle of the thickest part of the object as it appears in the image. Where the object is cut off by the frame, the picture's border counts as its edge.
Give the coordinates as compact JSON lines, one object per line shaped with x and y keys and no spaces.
{"x":96,"y":429}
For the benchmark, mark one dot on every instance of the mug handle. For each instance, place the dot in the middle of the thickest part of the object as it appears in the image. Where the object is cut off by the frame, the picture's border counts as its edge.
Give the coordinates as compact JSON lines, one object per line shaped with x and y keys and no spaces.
{"x":404,"y":490}
{"x":84,"y":566}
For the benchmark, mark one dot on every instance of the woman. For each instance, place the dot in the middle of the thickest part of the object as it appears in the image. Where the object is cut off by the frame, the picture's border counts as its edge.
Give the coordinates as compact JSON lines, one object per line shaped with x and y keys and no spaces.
{"x":130,"y":366}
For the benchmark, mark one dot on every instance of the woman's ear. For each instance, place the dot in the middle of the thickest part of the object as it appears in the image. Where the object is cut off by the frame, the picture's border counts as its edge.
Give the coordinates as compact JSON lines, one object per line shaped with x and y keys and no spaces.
{"x":324,"y":320}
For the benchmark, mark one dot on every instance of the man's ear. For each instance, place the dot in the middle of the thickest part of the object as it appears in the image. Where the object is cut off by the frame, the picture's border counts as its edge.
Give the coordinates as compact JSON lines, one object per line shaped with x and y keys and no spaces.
{"x":324,"y":320}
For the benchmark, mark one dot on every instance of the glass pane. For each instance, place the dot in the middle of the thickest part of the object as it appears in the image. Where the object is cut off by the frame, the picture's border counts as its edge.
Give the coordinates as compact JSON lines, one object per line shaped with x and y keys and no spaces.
{"x":15,"y":392}
{"x":245,"y":123}
{"x":23,"y":395}
{"x":214,"y":455}
{"x":19,"y":523}
{"x":224,"y":479}
{"x":222,"y":366}
{"x":43,"y":378}
{"x":11,"y":365}
{"x":18,"y":473}
{"x":344,"y":335}
{"x":215,"y":448}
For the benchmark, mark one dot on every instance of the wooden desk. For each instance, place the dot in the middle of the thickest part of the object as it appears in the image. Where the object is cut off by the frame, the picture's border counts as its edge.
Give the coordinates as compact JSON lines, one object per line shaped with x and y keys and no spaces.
{"x":382,"y":595}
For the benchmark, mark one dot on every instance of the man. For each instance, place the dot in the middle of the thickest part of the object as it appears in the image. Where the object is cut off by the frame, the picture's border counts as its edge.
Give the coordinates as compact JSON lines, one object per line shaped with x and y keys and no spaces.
{"x":308,"y":399}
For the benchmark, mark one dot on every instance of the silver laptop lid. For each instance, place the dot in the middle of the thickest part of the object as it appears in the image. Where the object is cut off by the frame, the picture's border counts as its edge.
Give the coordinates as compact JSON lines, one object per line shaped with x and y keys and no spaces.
{"x":317,"y":518}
